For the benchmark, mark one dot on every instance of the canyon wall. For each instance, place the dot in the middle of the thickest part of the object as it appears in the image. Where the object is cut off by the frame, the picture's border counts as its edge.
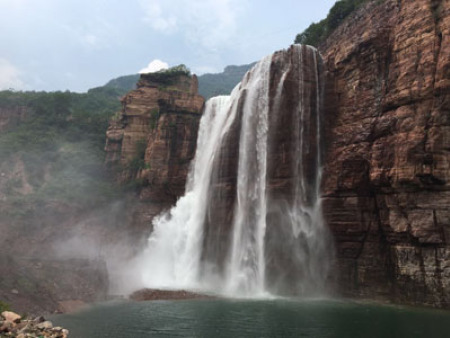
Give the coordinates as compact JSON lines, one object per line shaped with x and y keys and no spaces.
{"x":386,"y":122}
{"x":386,"y":180}
{"x":153,"y":139}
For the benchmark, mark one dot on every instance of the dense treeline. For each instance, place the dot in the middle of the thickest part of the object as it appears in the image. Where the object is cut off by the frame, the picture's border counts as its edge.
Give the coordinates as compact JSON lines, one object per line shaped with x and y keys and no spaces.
{"x":319,"y":31}
{"x":210,"y":85}
{"x":60,"y":143}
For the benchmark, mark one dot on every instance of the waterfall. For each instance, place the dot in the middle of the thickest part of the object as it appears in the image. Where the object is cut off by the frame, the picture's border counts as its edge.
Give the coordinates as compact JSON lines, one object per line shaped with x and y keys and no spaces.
{"x":250,"y":222}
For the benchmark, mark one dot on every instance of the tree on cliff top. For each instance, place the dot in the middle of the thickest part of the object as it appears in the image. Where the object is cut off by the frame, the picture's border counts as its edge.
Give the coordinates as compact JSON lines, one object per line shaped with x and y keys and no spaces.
{"x":320,"y":31}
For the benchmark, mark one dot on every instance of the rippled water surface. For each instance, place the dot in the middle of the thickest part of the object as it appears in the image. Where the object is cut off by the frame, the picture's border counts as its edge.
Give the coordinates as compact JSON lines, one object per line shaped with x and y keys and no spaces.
{"x":237,"y":318}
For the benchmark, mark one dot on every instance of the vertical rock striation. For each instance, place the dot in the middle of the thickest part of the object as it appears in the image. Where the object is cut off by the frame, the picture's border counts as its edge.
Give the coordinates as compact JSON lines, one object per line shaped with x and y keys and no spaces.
{"x":387,"y":174}
{"x":250,"y":221}
{"x":153,"y":139}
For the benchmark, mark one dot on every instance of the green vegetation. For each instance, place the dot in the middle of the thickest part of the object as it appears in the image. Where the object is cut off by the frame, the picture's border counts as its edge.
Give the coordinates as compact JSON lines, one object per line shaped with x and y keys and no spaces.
{"x":125,"y":83}
{"x":318,"y":32}
{"x":210,"y":85}
{"x":167,"y":77}
{"x":4,"y":307}
{"x":154,"y":116}
{"x":59,"y":145}
{"x":137,"y":163}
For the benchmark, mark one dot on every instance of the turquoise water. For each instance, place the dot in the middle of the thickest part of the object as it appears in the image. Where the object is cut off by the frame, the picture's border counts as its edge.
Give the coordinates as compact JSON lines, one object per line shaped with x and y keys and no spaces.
{"x":237,"y":318}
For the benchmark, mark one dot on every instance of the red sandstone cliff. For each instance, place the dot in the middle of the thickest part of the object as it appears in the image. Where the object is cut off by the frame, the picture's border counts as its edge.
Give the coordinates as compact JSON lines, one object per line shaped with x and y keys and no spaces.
{"x":387,"y":175}
{"x":387,"y":163}
{"x":154,"y":139}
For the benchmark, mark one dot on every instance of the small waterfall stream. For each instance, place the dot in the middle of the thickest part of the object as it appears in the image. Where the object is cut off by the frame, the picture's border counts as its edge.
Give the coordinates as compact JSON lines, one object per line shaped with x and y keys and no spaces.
{"x":250,"y":222}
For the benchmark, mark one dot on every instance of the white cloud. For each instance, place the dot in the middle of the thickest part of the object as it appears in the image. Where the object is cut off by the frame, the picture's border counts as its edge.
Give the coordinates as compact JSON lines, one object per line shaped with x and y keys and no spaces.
{"x":156,"y":18}
{"x":207,"y":23}
{"x":95,"y":34}
{"x":9,"y":76}
{"x":90,"y":39}
{"x":154,"y":66}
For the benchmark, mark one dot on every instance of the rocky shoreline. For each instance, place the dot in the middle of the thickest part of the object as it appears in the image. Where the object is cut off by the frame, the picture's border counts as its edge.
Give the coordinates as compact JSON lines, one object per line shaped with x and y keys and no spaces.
{"x":12,"y":325}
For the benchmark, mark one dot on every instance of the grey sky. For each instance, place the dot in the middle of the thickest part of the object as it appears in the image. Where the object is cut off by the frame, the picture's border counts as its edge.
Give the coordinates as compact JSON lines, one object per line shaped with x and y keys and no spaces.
{"x":80,"y":44}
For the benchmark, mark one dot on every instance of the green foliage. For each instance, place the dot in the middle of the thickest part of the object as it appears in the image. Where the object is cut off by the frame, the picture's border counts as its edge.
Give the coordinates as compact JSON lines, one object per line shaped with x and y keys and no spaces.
{"x":178,"y":70}
{"x":318,"y":32}
{"x":314,"y":34}
{"x":61,"y":144}
{"x":137,"y":163}
{"x":4,"y":307}
{"x":125,"y":83}
{"x":154,"y":116}
{"x":210,"y":85}
{"x":167,"y":77}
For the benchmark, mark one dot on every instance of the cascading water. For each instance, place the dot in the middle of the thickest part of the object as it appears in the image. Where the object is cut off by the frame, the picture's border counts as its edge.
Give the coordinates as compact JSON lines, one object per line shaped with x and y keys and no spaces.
{"x":251,"y":221}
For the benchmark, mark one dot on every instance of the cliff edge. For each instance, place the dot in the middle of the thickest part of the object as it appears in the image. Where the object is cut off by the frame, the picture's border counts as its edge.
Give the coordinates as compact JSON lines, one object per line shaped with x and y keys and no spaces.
{"x":153,"y":139}
{"x":387,"y":175}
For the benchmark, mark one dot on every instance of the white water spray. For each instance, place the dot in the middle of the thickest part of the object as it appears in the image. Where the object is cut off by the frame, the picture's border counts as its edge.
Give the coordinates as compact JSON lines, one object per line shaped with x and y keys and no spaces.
{"x":276,"y":241}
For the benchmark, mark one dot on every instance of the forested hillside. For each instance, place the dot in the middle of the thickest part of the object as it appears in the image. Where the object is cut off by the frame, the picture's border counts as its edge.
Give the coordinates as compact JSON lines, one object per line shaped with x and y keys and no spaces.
{"x":54,"y":154}
{"x":210,"y":85}
{"x":318,"y":32}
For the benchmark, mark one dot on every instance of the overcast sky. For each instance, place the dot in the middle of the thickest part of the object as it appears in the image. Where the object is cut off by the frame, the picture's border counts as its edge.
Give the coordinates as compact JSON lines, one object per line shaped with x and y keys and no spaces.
{"x":80,"y":44}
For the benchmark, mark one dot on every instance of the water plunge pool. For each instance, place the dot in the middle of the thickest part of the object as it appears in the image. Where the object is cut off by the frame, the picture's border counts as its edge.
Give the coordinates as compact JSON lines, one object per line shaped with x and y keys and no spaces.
{"x":254,"y":318}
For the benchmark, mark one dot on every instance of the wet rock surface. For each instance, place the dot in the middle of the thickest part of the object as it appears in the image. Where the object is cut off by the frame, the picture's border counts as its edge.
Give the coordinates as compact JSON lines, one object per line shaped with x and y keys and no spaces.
{"x":155,"y":294}
{"x":153,"y":140}
{"x":387,"y":174}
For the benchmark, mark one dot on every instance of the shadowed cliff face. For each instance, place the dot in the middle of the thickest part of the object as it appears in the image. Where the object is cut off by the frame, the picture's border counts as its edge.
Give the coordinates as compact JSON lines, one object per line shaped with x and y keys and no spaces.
{"x":291,"y":261}
{"x":385,"y":184}
{"x":387,"y":174}
{"x":153,"y":140}
{"x":250,"y":220}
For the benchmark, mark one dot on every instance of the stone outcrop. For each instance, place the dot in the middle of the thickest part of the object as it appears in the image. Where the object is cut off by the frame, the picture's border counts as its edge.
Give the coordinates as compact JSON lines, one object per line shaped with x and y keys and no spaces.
{"x":387,"y":175}
{"x":13,"y":325}
{"x":154,"y":294}
{"x":154,"y":138}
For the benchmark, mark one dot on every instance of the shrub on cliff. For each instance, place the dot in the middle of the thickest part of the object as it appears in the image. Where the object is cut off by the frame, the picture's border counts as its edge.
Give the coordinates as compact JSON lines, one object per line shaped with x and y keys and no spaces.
{"x":4,"y":307}
{"x":168,"y":76}
{"x":319,"y":32}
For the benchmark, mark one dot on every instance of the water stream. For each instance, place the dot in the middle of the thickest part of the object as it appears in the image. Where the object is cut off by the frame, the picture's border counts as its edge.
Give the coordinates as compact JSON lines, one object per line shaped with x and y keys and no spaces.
{"x":250,"y":222}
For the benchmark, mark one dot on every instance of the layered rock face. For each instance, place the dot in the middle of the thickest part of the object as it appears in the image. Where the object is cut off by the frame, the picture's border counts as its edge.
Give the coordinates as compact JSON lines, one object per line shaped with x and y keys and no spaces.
{"x":250,"y":219}
{"x":387,"y":168}
{"x":154,"y":139}
{"x":293,"y":261}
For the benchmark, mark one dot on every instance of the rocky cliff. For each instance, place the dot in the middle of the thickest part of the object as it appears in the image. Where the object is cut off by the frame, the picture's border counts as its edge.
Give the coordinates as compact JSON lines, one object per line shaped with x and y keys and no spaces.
{"x":153,"y":140}
{"x":386,"y":189}
{"x":387,"y":174}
